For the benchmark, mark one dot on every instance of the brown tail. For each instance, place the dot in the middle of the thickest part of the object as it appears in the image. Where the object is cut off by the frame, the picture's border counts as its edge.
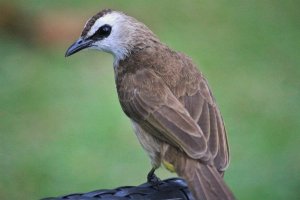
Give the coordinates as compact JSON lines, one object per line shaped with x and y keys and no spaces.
{"x":204,"y":181}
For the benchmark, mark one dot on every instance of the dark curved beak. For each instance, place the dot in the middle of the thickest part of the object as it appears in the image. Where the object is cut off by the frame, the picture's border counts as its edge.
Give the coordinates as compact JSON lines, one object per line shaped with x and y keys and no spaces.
{"x":79,"y":45}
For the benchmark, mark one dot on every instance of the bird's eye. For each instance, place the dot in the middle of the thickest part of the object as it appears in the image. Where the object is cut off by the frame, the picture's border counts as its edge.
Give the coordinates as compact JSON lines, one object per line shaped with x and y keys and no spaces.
{"x":102,"y":32}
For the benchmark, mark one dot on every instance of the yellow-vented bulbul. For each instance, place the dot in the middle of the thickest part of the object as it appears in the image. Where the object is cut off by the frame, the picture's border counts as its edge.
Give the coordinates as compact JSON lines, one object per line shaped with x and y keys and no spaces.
{"x":169,"y":102}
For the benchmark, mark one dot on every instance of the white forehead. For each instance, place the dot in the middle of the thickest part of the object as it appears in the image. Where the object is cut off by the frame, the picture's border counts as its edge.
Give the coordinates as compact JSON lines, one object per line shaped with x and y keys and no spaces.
{"x":110,"y":19}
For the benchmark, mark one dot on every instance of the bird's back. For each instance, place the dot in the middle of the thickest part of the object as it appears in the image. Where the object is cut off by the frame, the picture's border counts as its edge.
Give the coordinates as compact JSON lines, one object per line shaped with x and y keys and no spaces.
{"x":187,"y":84}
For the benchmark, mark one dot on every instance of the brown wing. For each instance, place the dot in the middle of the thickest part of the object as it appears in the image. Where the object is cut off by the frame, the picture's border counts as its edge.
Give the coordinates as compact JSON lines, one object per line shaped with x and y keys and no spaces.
{"x":150,"y":102}
{"x":203,"y":109}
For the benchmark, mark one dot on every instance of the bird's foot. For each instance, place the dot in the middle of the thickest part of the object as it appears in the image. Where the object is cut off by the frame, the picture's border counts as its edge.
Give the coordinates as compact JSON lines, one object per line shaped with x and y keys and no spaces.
{"x":153,"y":179}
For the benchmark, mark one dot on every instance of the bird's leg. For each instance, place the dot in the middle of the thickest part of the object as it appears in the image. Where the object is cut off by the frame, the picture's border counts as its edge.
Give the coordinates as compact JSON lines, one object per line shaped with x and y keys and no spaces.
{"x":153,"y":179}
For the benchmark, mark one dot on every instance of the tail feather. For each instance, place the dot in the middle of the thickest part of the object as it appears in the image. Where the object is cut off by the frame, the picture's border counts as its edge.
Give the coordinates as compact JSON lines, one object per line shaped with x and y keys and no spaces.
{"x":205,"y":181}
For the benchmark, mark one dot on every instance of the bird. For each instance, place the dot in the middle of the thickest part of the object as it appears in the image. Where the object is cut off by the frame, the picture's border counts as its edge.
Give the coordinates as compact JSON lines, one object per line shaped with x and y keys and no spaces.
{"x":168,"y":101}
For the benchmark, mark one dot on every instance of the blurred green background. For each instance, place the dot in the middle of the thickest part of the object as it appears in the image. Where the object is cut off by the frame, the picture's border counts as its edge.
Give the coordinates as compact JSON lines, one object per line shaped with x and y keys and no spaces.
{"x":61,"y":126}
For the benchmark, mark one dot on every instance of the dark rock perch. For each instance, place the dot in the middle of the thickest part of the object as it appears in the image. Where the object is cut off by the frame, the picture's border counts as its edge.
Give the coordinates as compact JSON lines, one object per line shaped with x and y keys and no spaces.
{"x":169,"y":189}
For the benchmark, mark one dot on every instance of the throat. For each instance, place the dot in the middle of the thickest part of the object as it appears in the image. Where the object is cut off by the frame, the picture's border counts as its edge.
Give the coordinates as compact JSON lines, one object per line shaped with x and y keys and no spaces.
{"x":117,"y":59}
{"x":120,"y":54}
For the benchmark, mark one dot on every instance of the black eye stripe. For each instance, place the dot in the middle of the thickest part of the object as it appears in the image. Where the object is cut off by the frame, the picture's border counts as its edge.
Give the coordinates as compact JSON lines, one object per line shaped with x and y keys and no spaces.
{"x":103,"y":32}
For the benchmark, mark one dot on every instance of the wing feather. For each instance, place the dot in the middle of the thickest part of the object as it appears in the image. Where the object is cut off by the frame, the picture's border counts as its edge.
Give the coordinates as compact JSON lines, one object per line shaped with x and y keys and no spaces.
{"x":210,"y":122}
{"x":157,"y":110}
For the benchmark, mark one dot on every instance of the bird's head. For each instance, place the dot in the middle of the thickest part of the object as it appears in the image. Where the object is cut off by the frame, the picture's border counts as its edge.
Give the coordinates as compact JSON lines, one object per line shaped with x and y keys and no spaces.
{"x":113,"y":32}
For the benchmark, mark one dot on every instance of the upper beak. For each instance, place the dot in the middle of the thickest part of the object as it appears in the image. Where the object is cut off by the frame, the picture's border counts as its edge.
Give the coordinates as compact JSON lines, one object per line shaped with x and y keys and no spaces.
{"x":78,"y":45}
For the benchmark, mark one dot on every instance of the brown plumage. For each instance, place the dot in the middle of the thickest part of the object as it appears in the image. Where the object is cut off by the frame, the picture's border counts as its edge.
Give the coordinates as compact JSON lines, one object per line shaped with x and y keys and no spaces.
{"x":173,"y":111}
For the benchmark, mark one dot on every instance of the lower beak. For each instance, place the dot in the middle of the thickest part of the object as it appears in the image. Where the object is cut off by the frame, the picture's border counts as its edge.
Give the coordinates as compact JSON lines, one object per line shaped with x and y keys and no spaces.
{"x":79,"y":45}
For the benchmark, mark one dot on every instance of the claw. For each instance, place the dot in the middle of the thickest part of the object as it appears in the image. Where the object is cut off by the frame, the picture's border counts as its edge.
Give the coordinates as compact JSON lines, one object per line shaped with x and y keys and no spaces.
{"x":153,"y":179}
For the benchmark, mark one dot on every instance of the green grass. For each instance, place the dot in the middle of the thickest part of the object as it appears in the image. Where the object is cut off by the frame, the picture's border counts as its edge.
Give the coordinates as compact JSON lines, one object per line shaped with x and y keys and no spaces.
{"x":62,"y":129}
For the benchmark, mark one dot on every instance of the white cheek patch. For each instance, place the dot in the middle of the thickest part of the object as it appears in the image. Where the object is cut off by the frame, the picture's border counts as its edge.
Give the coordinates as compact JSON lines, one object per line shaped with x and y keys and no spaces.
{"x":110,"y":19}
{"x":116,"y":42}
